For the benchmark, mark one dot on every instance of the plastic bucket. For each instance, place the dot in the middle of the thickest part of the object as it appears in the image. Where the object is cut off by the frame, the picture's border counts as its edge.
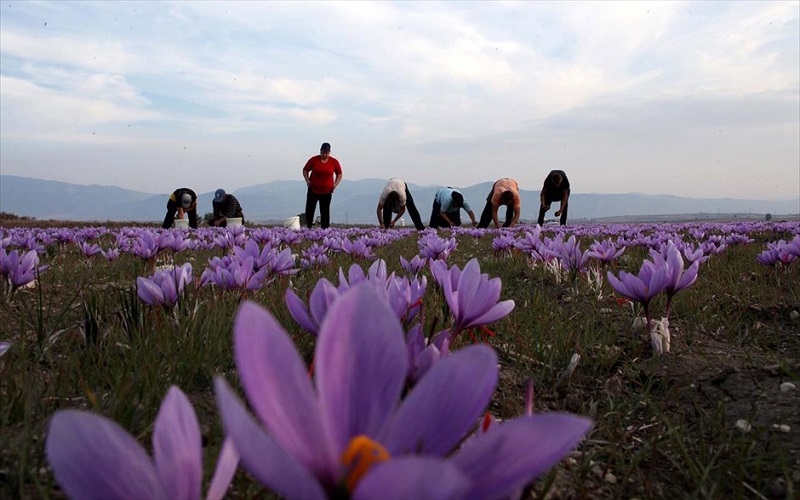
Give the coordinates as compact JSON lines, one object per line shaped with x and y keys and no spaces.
{"x":181,"y":223}
{"x":292,"y":222}
{"x":232,"y":222}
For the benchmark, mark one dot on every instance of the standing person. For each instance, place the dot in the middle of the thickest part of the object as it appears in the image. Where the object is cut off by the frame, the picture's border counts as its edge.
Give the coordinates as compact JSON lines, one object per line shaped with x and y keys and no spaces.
{"x":322,"y":173}
{"x":182,"y":201}
{"x":504,"y":192}
{"x":447,"y":205}
{"x":225,"y":206}
{"x":395,"y":198}
{"x":555,"y":188}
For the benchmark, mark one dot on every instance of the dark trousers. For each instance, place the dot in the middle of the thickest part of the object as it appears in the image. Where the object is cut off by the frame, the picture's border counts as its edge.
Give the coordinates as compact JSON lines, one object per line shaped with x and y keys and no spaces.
{"x":324,"y":208}
{"x":437,"y":221}
{"x":543,"y":211}
{"x":172,"y":207}
{"x":411,"y":208}
{"x":486,"y":215}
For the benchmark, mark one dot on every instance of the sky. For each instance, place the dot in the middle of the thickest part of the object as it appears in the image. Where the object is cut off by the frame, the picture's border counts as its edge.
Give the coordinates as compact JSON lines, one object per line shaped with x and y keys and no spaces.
{"x":696,"y":99}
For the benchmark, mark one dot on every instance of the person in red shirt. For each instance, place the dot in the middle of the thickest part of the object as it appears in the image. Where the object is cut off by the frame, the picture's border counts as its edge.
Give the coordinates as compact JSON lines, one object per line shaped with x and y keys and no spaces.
{"x":322,"y":173}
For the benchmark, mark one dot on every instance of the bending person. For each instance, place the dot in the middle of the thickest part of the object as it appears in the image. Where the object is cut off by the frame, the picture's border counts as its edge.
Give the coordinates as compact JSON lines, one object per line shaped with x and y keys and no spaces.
{"x":181,"y":201}
{"x":225,"y":206}
{"x":395,"y":198}
{"x":504,"y":192}
{"x":555,"y":188}
{"x":447,"y":205}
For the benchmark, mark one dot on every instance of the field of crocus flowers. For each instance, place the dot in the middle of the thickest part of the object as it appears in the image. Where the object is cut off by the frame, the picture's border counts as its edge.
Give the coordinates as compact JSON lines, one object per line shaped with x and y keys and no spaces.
{"x":598,"y":361}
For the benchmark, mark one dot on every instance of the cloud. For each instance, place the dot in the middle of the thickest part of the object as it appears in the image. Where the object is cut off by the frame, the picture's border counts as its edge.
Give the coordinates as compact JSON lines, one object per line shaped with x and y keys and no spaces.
{"x":449,"y":88}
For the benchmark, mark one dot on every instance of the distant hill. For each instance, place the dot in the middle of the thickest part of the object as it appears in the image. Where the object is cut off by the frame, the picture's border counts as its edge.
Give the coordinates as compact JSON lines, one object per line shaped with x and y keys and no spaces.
{"x":353,"y":203}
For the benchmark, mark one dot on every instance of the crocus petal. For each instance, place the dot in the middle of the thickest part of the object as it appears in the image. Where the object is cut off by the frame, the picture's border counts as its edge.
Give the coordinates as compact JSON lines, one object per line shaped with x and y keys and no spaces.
{"x":361,"y":364}
{"x":93,"y":457}
{"x":149,"y":292}
{"x":323,"y":295}
{"x":498,"y":311}
{"x":298,"y":311}
{"x":418,"y":478}
{"x":259,"y":452}
{"x":227,"y":463}
{"x":275,"y":380}
{"x":512,"y":454}
{"x":177,"y":448}
{"x":445,"y":404}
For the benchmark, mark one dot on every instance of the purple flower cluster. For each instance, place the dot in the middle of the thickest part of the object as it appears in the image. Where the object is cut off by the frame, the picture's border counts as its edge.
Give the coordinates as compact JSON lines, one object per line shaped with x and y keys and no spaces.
{"x":350,"y":431}
{"x":19,"y":269}
{"x":432,"y":247}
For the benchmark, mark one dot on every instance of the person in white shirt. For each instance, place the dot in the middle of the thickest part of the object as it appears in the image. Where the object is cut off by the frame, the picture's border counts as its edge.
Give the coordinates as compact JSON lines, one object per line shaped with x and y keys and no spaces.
{"x":396,"y":198}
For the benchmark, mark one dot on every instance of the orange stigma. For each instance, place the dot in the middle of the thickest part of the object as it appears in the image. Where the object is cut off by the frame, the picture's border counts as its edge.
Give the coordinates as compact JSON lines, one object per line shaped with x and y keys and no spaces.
{"x":361,"y":454}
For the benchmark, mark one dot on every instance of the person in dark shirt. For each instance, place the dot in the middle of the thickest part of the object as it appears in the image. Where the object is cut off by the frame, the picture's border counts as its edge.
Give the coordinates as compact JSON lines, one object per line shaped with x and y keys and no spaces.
{"x":555,"y":188}
{"x":181,"y":201}
{"x":225,"y":206}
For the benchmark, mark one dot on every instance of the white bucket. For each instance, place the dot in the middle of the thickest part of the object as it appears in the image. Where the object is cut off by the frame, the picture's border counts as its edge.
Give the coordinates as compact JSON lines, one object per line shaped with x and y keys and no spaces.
{"x":181,"y":223}
{"x":232,"y":222}
{"x":292,"y":222}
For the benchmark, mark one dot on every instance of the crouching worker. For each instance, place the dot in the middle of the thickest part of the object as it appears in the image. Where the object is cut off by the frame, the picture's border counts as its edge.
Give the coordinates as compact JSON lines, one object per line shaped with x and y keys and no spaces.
{"x":504,"y":192}
{"x":226,"y":206}
{"x":447,"y":205}
{"x":395,"y":198}
{"x":182,"y":201}
{"x":555,"y":188}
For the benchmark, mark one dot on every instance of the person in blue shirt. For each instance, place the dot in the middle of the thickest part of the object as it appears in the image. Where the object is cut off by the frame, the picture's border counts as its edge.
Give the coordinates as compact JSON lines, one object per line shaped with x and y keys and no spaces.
{"x":447,"y":205}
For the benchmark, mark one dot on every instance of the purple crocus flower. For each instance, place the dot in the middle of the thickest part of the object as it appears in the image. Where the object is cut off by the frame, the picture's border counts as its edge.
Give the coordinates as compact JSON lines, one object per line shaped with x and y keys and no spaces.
{"x":4,"y":347}
{"x":414,"y":266}
{"x":568,"y":253}
{"x":605,"y":251}
{"x":472,"y":297}
{"x":650,"y":281}
{"x":677,"y":277}
{"x":433,"y":247}
{"x":93,"y":457}
{"x":503,"y":243}
{"x":166,"y":285}
{"x":348,"y":430}
{"x":146,"y":246}
{"x":89,"y":250}
{"x":20,"y":269}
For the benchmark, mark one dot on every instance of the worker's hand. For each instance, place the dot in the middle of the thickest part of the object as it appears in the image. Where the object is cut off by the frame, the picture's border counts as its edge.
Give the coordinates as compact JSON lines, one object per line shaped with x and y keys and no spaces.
{"x":546,"y":207}
{"x":474,"y":223}
{"x":558,"y":212}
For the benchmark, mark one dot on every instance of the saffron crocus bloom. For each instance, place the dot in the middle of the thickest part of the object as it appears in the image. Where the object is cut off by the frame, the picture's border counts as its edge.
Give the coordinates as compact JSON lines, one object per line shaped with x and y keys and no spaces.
{"x":93,"y":457}
{"x":348,"y":432}
{"x":605,"y":251}
{"x":472,"y":299}
{"x":414,"y":266}
{"x":677,"y":277}
{"x":20,"y":269}
{"x":164,"y":288}
{"x":650,"y":281}
{"x":434,"y":248}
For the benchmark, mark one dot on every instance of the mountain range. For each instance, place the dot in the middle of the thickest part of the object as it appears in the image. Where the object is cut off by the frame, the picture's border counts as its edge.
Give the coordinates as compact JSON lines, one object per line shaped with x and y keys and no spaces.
{"x":354,"y":202}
